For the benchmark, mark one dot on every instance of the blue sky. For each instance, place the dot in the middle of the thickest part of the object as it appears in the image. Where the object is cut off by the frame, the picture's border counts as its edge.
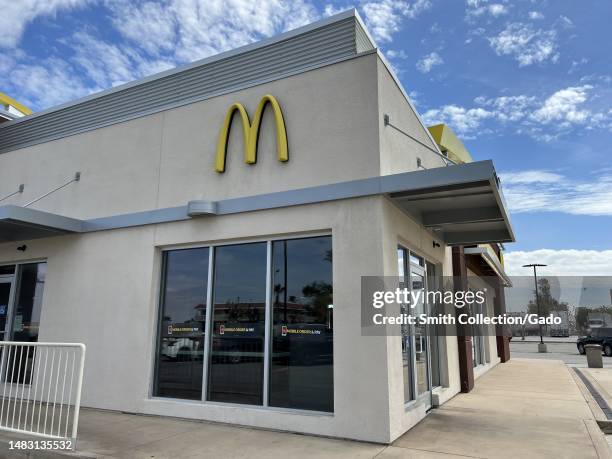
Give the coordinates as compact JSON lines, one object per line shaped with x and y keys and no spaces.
{"x":525,"y":83}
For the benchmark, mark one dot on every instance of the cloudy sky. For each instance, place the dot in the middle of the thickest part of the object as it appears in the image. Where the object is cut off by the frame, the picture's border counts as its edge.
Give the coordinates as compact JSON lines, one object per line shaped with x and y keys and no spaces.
{"x":525,"y":83}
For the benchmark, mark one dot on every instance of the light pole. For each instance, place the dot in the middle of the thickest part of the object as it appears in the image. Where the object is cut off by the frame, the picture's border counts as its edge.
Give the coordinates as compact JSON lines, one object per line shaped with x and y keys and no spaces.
{"x":541,"y":345}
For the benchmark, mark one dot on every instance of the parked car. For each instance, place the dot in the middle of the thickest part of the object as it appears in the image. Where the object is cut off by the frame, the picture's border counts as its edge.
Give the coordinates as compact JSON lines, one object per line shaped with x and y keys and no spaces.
{"x":601,"y":336}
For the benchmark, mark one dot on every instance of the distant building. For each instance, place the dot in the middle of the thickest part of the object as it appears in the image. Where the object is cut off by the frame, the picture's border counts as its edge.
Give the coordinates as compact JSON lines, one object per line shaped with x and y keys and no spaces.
{"x":11,"y":109}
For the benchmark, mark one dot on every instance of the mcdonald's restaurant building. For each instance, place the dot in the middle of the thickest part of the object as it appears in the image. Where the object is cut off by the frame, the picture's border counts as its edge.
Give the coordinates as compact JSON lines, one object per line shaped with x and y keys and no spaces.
{"x":204,"y":232}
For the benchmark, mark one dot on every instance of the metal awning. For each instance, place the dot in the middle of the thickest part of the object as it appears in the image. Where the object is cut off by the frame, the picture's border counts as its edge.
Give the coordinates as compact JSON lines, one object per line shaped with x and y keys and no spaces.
{"x":19,"y":223}
{"x":463,"y":205}
{"x":491,"y":261}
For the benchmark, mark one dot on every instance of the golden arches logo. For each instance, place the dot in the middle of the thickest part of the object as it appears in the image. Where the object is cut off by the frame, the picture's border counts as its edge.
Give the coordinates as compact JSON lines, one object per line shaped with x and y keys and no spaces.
{"x":250,"y":132}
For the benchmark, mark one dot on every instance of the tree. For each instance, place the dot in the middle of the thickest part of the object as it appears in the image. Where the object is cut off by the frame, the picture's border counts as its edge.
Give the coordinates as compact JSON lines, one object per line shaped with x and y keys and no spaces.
{"x":546,"y":300}
{"x":582,"y":318}
{"x":320,"y":295}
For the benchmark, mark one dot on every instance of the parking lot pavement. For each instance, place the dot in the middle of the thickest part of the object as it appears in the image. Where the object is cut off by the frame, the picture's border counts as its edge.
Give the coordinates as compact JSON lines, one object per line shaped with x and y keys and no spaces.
{"x":547,"y":339}
{"x":559,"y":350}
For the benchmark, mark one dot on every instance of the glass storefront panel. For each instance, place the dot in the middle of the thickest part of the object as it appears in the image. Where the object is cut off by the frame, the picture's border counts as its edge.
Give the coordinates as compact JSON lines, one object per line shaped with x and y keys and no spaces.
{"x":5,"y":298}
{"x":301,"y":367}
{"x":238,"y":328}
{"x":407,"y":349}
{"x":478,"y":338}
{"x":437,"y":337}
{"x":421,"y":350}
{"x":28,"y":305}
{"x":26,"y":315}
{"x":183,"y":319}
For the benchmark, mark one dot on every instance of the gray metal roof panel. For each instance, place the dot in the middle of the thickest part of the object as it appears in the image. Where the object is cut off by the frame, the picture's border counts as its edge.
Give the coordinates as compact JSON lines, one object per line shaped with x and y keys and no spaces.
{"x":330,"y":40}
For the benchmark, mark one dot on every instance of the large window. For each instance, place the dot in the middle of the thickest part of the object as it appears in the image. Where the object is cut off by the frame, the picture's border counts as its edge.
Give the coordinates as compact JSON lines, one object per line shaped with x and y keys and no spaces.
{"x":406,"y":332}
{"x":180,"y":351}
{"x":260,"y":333}
{"x":237,"y":352}
{"x":301,"y":370}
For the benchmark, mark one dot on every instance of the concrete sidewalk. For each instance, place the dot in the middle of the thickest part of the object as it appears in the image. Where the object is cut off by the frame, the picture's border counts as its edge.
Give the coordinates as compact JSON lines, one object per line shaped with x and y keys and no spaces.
{"x":523,"y":408}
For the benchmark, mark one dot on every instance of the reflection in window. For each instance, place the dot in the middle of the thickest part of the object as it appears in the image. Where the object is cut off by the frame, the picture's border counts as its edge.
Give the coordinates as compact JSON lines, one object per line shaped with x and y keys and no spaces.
{"x":437,"y":340}
{"x":301,"y":368}
{"x":28,"y":306}
{"x":239,"y":298}
{"x":183,"y":318}
{"x":421,"y":351}
{"x":26,"y":316}
{"x":407,"y":350}
{"x":7,"y":270}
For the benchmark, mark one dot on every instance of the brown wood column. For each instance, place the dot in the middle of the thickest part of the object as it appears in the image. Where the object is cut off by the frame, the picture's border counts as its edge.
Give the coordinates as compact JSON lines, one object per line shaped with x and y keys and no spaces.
{"x":464,"y":337}
{"x":502,"y":339}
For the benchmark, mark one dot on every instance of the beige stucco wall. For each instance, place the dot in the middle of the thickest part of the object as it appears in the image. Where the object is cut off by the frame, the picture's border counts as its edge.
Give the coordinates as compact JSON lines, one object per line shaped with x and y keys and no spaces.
{"x":167,"y":159}
{"x":398,"y":152}
{"x":101,"y":289}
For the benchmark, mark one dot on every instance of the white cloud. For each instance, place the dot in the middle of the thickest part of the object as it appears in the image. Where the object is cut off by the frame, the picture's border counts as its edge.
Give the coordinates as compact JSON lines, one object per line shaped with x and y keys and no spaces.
{"x":426,"y":63}
{"x":543,"y":118}
{"x":193,"y":29}
{"x":527,"y":45}
{"x":384,"y":17}
{"x":568,"y":262}
{"x":149,"y":24}
{"x":535,"y":15}
{"x":396,"y":54}
{"x":497,"y":9}
{"x":508,"y":108}
{"x":576,"y":64}
{"x":478,"y":8}
{"x":330,"y":10}
{"x":16,"y":14}
{"x":117,"y":66}
{"x":531,"y":176}
{"x":415,"y":98}
{"x":563,"y":106}
{"x":462,"y":120}
{"x":157,"y":36}
{"x":546,"y":191}
{"x":48,"y":83}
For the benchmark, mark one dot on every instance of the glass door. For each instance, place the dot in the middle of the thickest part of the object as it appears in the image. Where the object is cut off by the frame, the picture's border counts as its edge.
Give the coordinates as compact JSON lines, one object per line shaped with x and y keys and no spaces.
{"x":421,"y":339}
{"x":6,"y":290}
{"x":415,"y":340}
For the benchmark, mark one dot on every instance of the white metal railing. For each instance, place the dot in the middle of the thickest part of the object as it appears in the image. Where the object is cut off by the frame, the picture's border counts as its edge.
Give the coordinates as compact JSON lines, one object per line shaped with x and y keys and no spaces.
{"x":40,"y":388}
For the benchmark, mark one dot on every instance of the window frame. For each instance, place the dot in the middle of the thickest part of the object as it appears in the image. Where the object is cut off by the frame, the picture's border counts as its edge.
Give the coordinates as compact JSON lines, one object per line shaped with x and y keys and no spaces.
{"x":161,"y":276}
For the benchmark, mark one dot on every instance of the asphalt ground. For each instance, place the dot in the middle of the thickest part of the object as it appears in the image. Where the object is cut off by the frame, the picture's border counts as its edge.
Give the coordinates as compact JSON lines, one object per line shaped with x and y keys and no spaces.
{"x":558,"y":349}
